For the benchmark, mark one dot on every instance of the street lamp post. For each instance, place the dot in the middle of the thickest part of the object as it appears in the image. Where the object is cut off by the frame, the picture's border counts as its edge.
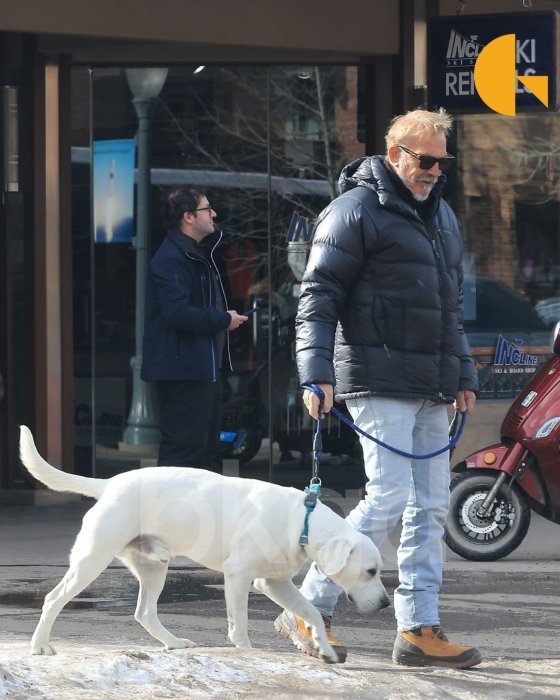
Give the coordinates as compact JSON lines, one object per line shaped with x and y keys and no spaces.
{"x":145,"y":85}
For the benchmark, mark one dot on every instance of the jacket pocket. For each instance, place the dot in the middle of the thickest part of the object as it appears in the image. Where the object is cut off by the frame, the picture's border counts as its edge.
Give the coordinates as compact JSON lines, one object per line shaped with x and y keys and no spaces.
{"x":389,"y":322}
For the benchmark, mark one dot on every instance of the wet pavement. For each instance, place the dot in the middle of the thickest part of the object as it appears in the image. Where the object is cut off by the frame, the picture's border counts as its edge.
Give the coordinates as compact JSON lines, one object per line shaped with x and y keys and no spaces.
{"x":116,"y":589}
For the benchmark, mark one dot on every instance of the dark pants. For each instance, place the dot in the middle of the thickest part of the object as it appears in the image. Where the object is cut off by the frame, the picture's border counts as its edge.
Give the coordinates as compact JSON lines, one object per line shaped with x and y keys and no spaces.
{"x":190,"y":422}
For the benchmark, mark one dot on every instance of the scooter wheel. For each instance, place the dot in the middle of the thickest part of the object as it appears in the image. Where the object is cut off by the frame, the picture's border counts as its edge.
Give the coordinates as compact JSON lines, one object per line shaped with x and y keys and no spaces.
{"x":497,"y":533}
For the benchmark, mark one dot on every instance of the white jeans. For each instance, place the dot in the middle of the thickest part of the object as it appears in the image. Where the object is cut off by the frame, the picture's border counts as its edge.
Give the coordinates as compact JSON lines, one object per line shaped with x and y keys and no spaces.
{"x":416,"y":490}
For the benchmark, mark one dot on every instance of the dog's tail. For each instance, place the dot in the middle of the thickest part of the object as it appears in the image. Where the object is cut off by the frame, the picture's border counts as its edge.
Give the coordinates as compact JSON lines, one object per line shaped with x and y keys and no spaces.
{"x":55,"y":479}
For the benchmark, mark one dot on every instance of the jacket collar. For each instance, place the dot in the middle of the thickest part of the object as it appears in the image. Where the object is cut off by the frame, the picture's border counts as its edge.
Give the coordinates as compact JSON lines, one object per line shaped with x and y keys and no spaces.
{"x":375,"y":173}
{"x":190,"y":247}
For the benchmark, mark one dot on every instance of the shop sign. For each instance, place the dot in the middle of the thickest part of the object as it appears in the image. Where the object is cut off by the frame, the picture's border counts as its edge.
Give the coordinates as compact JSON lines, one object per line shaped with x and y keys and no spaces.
{"x":506,"y":367}
{"x":454,"y":44}
{"x":513,"y":354}
{"x":301,"y":230}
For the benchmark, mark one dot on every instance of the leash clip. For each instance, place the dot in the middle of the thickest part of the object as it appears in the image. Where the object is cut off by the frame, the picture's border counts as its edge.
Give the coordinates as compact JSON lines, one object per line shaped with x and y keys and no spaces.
{"x":312,"y":492}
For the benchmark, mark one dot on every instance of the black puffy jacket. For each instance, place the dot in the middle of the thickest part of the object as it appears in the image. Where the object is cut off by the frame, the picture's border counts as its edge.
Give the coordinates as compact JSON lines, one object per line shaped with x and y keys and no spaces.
{"x":390,"y":285}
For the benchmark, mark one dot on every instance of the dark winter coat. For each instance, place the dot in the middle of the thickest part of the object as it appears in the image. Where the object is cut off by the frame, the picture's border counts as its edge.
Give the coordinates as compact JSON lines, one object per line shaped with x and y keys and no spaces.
{"x":182,"y":325}
{"x":390,"y":284}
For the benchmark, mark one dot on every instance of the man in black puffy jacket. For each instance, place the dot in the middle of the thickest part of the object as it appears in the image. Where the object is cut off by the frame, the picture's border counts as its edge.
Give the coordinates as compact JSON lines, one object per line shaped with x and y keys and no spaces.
{"x":185,"y":332}
{"x":379,"y":326}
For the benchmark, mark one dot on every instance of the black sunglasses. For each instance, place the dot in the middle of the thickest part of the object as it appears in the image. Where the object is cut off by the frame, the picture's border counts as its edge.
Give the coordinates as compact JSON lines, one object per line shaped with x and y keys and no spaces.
{"x":428,"y":162}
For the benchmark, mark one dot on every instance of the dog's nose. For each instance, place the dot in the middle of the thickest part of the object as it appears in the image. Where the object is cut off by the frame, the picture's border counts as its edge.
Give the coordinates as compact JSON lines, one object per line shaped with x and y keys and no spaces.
{"x":385,"y":603}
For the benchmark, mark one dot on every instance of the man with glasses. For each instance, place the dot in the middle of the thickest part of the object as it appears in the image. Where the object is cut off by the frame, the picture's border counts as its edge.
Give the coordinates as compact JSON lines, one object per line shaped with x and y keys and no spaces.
{"x":379,"y":326}
{"x":185,"y":332}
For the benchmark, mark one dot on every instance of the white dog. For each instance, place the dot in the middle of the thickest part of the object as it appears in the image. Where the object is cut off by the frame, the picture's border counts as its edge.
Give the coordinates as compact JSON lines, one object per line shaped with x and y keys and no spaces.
{"x":247,"y":529}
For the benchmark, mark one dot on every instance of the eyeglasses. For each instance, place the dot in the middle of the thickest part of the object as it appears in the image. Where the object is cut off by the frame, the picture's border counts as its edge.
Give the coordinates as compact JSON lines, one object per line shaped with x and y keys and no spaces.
{"x":208,"y":209}
{"x":428,"y":162}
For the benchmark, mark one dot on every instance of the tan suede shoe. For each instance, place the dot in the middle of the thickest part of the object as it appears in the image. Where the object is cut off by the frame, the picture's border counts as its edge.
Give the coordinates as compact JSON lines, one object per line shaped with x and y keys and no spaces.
{"x":294,"y":628}
{"x":428,"y":646}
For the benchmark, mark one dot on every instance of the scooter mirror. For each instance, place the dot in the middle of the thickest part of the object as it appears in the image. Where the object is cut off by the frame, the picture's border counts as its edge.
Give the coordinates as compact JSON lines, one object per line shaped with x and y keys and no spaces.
{"x":556,"y":339}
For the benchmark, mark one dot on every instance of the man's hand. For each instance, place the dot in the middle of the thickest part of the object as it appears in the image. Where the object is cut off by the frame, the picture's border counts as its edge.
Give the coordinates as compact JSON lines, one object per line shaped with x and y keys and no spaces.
{"x":465,"y":401}
{"x":236,"y":320}
{"x":312,"y":402}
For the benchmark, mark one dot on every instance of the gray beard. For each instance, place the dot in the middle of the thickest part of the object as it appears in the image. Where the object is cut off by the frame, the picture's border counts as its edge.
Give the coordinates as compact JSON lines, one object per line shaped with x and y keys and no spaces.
{"x":417,"y":197}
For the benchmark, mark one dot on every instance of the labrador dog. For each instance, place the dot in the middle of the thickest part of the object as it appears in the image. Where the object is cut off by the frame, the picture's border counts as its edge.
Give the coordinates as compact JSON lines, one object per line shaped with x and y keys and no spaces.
{"x":245,"y":528}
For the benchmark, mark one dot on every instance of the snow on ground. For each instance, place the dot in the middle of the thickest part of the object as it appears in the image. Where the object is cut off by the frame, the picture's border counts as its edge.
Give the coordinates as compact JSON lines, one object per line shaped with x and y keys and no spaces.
{"x":109,"y":671}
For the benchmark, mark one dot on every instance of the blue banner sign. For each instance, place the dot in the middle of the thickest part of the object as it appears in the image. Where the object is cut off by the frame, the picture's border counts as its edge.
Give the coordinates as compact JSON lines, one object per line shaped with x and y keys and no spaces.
{"x":113,"y":190}
{"x":454,"y":44}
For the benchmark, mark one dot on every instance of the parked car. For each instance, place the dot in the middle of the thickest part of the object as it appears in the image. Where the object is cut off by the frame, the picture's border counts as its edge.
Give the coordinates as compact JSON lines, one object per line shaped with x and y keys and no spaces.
{"x":549,"y":311}
{"x":492,"y":308}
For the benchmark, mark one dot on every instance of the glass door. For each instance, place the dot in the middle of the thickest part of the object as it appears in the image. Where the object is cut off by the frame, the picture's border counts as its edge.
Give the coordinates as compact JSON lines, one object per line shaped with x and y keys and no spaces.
{"x":266,"y":144}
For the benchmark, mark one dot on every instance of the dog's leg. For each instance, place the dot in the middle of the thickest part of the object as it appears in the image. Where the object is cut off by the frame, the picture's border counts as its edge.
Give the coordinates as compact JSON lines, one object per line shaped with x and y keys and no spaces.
{"x":151,"y":577}
{"x":286,"y":594}
{"x":80,"y":574}
{"x":94,"y":549}
{"x":236,"y":590}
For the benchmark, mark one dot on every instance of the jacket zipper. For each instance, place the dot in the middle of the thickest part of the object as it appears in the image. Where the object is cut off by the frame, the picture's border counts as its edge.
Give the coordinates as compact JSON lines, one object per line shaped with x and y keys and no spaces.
{"x":436,"y":253}
{"x":223,"y":296}
{"x":207,"y":305}
{"x":212,"y":347}
{"x":438,"y":258}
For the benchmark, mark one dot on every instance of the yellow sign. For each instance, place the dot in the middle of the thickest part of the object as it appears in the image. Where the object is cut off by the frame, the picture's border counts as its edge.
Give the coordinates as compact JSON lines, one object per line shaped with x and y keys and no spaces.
{"x":495,"y":77}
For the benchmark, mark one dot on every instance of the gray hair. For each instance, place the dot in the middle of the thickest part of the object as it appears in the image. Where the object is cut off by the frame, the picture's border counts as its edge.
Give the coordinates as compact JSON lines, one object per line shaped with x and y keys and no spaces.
{"x":417,"y":122}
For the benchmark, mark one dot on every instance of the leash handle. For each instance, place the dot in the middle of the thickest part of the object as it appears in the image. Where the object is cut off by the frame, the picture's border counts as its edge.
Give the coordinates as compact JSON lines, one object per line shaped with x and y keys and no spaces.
{"x":318,"y":437}
{"x":315,"y":389}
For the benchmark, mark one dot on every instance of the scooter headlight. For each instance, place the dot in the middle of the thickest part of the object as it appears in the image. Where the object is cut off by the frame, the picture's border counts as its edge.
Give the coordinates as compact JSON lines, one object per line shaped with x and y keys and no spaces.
{"x":547,"y":427}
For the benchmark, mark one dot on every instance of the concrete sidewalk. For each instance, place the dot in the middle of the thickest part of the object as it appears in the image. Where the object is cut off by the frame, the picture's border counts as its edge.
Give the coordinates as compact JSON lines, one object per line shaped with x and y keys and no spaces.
{"x":510,"y":610}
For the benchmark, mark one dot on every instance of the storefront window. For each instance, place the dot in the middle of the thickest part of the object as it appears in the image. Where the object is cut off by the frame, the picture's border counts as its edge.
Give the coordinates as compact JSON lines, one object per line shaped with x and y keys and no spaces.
{"x":507,"y":201}
{"x":265,"y":144}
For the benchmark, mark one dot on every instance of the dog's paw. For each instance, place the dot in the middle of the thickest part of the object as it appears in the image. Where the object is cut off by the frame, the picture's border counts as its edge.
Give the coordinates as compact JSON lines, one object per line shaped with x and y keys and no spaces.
{"x":180,"y":644}
{"x":242,"y":644}
{"x":329,"y":658}
{"x":326,"y":653}
{"x":43,"y":649}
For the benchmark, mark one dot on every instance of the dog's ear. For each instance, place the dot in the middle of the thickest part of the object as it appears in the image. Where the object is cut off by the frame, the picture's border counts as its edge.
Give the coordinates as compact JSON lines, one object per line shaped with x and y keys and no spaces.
{"x":333,"y":555}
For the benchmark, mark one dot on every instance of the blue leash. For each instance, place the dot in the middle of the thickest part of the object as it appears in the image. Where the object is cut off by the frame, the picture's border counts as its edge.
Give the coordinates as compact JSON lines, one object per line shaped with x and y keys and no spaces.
{"x":455,"y":431}
{"x":313,"y":491}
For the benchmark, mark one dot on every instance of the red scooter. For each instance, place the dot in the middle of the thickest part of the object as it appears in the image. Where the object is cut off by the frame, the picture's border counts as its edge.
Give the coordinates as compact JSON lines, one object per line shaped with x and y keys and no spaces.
{"x":498,"y":486}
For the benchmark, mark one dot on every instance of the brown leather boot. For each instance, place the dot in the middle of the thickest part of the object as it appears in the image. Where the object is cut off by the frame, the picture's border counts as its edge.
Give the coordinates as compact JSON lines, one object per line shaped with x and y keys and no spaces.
{"x":294,"y":628}
{"x":428,"y":646}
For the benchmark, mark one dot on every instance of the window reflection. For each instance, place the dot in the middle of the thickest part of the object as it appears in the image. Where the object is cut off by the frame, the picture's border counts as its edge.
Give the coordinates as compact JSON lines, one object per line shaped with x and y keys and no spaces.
{"x":263,"y":143}
{"x":507,"y":200}
{"x":266,"y":142}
